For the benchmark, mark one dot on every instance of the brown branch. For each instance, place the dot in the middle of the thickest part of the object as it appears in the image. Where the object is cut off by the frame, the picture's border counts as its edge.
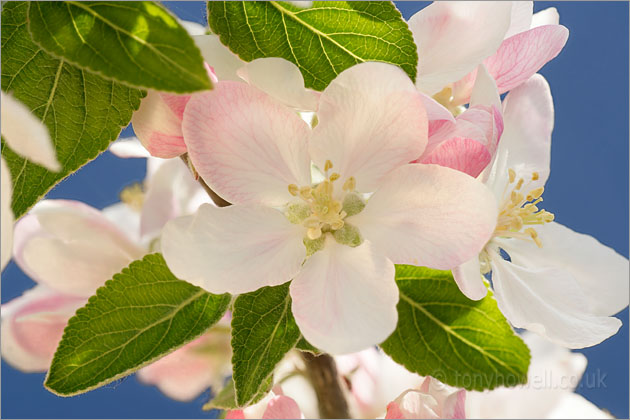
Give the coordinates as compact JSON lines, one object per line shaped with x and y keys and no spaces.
{"x":220,"y":202}
{"x":322,"y":372}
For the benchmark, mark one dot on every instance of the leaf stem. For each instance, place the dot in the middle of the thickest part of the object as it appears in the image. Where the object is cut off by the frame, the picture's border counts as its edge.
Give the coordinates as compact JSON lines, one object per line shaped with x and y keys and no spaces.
{"x":220,"y":202}
{"x":322,"y":372}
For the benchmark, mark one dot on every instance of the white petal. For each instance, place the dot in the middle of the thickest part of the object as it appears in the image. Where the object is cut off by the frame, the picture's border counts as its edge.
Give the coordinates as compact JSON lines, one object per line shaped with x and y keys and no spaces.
{"x":575,"y":406}
{"x":71,"y":247}
{"x":485,"y":90}
{"x":470,"y":280}
{"x":7,"y":215}
{"x":193,"y":28}
{"x":521,"y":17}
{"x":428,"y":215}
{"x":548,"y":16}
{"x":32,"y":325}
{"x":549,"y":302}
{"x":246,"y":145}
{"x":371,"y":120}
{"x":219,"y":57}
{"x":454,"y":37}
{"x":525,"y":145}
{"x":344,"y":299}
{"x":26,"y":134}
{"x":129,"y":147}
{"x":170,"y":192}
{"x":234,"y":249}
{"x":282,"y":80}
{"x":599,"y":271}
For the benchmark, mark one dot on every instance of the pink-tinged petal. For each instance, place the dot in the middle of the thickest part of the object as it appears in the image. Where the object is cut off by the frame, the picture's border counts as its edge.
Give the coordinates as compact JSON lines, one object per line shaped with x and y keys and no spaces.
{"x":26,"y":134}
{"x":394,"y":411}
{"x":282,"y":407}
{"x":547,"y":16}
{"x":521,"y":56}
{"x":129,"y":147}
{"x":223,"y":61}
{"x":521,"y":17}
{"x":371,"y":120}
{"x":462,"y":154}
{"x":428,"y":215}
{"x":282,"y":80}
{"x":345,"y":292}
{"x":455,"y":406}
{"x":158,"y":124}
{"x":190,"y":370}
{"x":6,"y":213}
{"x":235,"y":414}
{"x":71,"y":247}
{"x":477,"y":28}
{"x":32,"y":325}
{"x":234,"y":249}
{"x":246,"y":145}
{"x":547,"y":301}
{"x":413,"y":404}
{"x":598,"y":270}
{"x":435,"y":110}
{"x":526,"y":141}
{"x":469,"y":279}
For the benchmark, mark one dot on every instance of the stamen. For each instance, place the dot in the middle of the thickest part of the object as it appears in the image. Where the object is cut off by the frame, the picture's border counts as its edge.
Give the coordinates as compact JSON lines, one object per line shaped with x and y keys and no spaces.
{"x":313,"y":233}
{"x":520,"y":184}
{"x":328,"y":166}
{"x":532,"y":232}
{"x":294,"y":190}
{"x":350,"y":184}
{"x":306,"y":192}
{"x":335,"y":176}
{"x":535,"y":176}
{"x":512,"y":175}
{"x":535,"y":193}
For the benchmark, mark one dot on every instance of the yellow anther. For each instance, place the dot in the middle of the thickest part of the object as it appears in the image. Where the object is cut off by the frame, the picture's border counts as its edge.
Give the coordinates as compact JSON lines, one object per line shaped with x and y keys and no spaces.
{"x":535,"y":193}
{"x":133,"y":196}
{"x":519,"y":184}
{"x":337,"y":224}
{"x":294,"y":190}
{"x":313,"y":233}
{"x":327,"y":166}
{"x":535,"y":176}
{"x":517,"y":223}
{"x":306,"y":192}
{"x":335,"y":176}
{"x":350,"y":184}
{"x":512,"y":175}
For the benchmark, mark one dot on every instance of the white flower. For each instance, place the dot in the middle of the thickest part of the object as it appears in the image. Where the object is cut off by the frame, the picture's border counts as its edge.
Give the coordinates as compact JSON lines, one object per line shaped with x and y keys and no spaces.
{"x":558,"y":283}
{"x":339,"y":250}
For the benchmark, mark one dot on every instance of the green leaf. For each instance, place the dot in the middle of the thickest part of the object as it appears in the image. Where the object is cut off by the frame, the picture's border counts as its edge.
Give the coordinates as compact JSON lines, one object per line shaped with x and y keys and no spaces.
{"x":263,"y":331}
{"x":82,"y":111}
{"x":322,"y":40}
{"x":135,"y":42}
{"x":226,"y":398}
{"x":141,"y":315}
{"x":442,"y":333}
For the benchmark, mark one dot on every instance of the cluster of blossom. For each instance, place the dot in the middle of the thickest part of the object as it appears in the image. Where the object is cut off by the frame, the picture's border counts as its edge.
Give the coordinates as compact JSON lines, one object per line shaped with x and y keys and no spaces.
{"x":330,"y":190}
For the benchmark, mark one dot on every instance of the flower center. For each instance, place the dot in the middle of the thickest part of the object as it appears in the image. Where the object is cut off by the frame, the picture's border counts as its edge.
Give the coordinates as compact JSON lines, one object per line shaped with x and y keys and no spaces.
{"x":320,"y":210}
{"x":445,"y":98}
{"x":519,"y":210}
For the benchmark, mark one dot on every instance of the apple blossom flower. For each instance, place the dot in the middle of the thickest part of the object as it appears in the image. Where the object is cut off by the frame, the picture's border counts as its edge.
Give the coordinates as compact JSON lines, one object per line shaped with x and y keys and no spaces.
{"x":374,"y":380}
{"x":433,"y":400}
{"x":468,"y":141}
{"x":338,"y":250}
{"x":275,"y":405}
{"x":27,"y":136}
{"x":553,"y":375}
{"x":506,"y":37}
{"x":558,"y":283}
{"x":57,"y":234}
